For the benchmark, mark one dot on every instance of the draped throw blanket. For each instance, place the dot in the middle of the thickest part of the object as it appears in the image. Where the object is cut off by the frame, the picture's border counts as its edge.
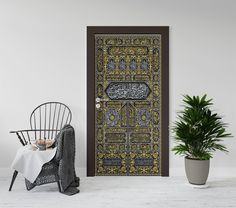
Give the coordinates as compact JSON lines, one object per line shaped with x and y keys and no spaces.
{"x":61,"y":168}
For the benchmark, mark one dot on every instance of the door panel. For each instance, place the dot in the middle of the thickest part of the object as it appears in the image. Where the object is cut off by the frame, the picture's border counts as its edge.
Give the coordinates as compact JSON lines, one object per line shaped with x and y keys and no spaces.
{"x":128,"y":106}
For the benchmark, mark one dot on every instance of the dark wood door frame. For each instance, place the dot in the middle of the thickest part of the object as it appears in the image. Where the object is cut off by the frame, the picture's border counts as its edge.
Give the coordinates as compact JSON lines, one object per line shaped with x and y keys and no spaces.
{"x":91,"y":31}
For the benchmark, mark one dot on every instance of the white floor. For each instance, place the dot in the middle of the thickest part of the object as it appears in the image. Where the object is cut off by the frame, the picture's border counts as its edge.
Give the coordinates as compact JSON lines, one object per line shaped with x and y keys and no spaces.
{"x":123,"y":192}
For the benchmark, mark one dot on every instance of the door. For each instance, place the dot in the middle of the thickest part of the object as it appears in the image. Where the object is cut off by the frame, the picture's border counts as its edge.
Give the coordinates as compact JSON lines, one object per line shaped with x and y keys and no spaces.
{"x":127,"y":101}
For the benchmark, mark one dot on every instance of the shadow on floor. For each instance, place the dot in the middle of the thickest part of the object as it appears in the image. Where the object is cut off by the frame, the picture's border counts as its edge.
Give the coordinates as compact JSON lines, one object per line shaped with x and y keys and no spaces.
{"x":229,"y":182}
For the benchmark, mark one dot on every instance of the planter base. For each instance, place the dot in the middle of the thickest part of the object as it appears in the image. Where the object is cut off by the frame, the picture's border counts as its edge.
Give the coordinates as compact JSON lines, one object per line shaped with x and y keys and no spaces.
{"x":198,"y":186}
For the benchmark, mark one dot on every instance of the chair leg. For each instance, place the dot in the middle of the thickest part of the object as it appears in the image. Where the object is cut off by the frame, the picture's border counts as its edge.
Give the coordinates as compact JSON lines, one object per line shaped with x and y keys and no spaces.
{"x":59,"y":186}
{"x":13,"y":179}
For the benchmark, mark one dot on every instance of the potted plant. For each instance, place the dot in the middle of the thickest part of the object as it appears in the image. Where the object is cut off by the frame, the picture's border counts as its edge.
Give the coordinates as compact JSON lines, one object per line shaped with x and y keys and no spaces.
{"x":198,"y":133}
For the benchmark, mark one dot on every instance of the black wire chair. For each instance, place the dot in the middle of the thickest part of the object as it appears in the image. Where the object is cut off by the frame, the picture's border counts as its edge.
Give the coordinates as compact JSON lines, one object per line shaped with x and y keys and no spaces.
{"x":46,"y":121}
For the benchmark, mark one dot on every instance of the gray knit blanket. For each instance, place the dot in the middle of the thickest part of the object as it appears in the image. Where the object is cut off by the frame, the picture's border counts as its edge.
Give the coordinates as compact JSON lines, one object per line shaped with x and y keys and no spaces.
{"x":61,"y":168}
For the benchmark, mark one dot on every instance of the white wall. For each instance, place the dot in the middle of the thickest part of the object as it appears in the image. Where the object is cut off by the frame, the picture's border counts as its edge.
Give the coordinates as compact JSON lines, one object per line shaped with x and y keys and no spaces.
{"x":43,"y":58}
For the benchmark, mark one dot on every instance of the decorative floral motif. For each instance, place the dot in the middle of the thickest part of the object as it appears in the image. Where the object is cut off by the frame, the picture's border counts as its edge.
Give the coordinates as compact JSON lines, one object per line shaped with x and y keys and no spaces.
{"x":122,"y":65}
{"x":143,"y":117}
{"x":144,"y":65}
{"x":112,"y":117}
{"x":133,"y":65}
{"x":111,"y":65}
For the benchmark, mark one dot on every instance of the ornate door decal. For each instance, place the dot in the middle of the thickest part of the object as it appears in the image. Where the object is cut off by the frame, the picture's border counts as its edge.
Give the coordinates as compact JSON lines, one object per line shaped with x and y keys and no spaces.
{"x":128,"y":102}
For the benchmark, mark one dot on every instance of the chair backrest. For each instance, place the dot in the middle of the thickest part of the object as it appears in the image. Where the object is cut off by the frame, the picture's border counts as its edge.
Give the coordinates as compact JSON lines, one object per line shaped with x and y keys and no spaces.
{"x":49,"y":118}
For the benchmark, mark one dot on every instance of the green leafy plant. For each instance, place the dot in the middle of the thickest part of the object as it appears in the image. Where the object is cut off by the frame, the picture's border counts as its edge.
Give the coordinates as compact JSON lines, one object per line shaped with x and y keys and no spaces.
{"x":197,"y":131}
